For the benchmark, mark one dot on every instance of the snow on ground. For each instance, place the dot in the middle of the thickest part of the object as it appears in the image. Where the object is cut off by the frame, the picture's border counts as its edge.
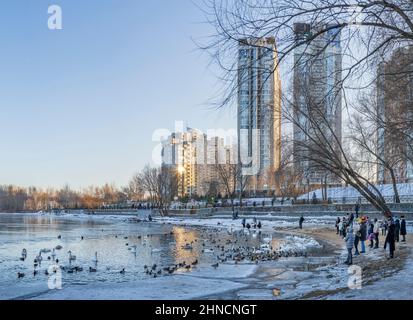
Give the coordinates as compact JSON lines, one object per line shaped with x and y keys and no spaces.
{"x":222,"y":222}
{"x":397,"y":287}
{"x":294,"y":243}
{"x":177,"y":287}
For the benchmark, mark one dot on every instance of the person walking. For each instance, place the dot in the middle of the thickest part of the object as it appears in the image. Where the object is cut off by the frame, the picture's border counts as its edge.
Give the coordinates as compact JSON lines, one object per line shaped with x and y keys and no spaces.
{"x":397,"y":230}
{"x":349,"y":239}
{"x":376,"y":231}
{"x":243,"y":223}
{"x":390,"y":238}
{"x":403,"y":229}
{"x":301,"y":222}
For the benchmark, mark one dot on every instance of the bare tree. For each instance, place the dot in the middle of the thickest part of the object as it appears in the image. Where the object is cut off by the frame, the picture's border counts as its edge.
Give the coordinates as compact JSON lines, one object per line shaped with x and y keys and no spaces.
{"x":286,"y":177}
{"x":228,"y":176}
{"x":368,"y":31}
{"x":370,"y":149}
{"x":161,"y":184}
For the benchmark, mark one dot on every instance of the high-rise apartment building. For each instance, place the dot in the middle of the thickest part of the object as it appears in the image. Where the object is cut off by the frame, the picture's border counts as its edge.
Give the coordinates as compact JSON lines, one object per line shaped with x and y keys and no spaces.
{"x":316,"y":92}
{"x":259,"y":111}
{"x":195,"y":158}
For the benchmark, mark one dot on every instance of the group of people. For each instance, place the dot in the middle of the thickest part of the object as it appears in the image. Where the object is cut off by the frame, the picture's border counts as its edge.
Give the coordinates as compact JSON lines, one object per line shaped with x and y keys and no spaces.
{"x":254,"y":224}
{"x":357,"y":230}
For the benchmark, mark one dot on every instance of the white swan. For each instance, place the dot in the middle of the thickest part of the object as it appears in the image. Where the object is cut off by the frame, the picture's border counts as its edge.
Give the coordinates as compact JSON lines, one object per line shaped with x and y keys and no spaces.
{"x":71,"y":257}
{"x":95,"y":259}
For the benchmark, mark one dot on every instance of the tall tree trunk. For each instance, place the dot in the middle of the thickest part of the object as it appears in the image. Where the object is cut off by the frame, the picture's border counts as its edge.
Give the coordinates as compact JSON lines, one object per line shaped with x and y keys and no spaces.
{"x":394,"y":183}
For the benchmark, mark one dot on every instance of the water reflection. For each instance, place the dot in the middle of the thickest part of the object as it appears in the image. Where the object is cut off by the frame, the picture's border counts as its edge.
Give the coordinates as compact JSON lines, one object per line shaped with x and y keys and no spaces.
{"x":118,"y":245}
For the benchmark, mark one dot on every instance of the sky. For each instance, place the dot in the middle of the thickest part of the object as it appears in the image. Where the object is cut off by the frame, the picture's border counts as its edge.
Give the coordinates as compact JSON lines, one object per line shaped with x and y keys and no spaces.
{"x":79,"y":105}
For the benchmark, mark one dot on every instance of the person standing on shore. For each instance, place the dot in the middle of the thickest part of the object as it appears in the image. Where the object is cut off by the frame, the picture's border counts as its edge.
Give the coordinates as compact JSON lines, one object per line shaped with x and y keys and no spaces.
{"x":371,"y":235}
{"x":363,"y":234}
{"x":350,"y":218}
{"x":376,"y":231}
{"x":357,"y":237}
{"x":344,"y":227}
{"x":349,"y":239}
{"x":243,"y":223}
{"x":301,"y":222}
{"x":338,"y":225}
{"x":384,"y":228}
{"x":403,"y":229}
{"x":397,"y":230}
{"x":390,"y":238}
{"x":357,"y":209}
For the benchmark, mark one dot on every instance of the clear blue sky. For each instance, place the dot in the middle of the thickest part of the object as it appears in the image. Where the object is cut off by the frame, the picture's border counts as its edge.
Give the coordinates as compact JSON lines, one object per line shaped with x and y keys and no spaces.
{"x":79,"y":105}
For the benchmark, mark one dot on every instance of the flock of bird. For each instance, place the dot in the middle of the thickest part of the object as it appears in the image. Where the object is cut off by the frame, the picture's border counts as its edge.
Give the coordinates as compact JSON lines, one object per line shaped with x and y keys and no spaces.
{"x":240,"y":247}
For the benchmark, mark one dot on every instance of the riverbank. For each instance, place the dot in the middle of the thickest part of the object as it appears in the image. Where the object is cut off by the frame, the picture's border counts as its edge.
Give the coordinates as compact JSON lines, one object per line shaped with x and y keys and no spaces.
{"x":319,"y":274}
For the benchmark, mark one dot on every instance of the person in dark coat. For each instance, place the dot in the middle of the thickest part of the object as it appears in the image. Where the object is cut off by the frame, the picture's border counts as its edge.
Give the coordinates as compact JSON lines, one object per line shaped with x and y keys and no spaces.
{"x":390,"y":238}
{"x":338,"y":225}
{"x":371,"y":236}
{"x":243,"y":222}
{"x":397,"y":230}
{"x":301,"y":222}
{"x":403,"y":230}
{"x":350,"y":219}
{"x":363,"y":235}
{"x":357,"y":209}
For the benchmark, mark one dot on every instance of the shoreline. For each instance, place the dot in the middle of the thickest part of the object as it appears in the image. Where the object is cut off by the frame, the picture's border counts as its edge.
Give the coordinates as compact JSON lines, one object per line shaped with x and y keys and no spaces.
{"x":319,"y":276}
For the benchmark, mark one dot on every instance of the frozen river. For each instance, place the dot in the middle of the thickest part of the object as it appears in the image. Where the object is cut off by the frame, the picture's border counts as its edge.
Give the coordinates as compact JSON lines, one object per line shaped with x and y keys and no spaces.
{"x":114,"y":242}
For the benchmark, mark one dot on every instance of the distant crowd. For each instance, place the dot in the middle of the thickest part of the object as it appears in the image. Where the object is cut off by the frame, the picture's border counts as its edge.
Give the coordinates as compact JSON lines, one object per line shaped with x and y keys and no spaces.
{"x":357,"y":230}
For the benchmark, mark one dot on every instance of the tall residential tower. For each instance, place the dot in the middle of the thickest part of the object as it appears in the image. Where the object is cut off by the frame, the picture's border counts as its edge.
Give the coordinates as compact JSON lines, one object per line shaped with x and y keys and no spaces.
{"x":316,"y":93}
{"x":259,"y":111}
